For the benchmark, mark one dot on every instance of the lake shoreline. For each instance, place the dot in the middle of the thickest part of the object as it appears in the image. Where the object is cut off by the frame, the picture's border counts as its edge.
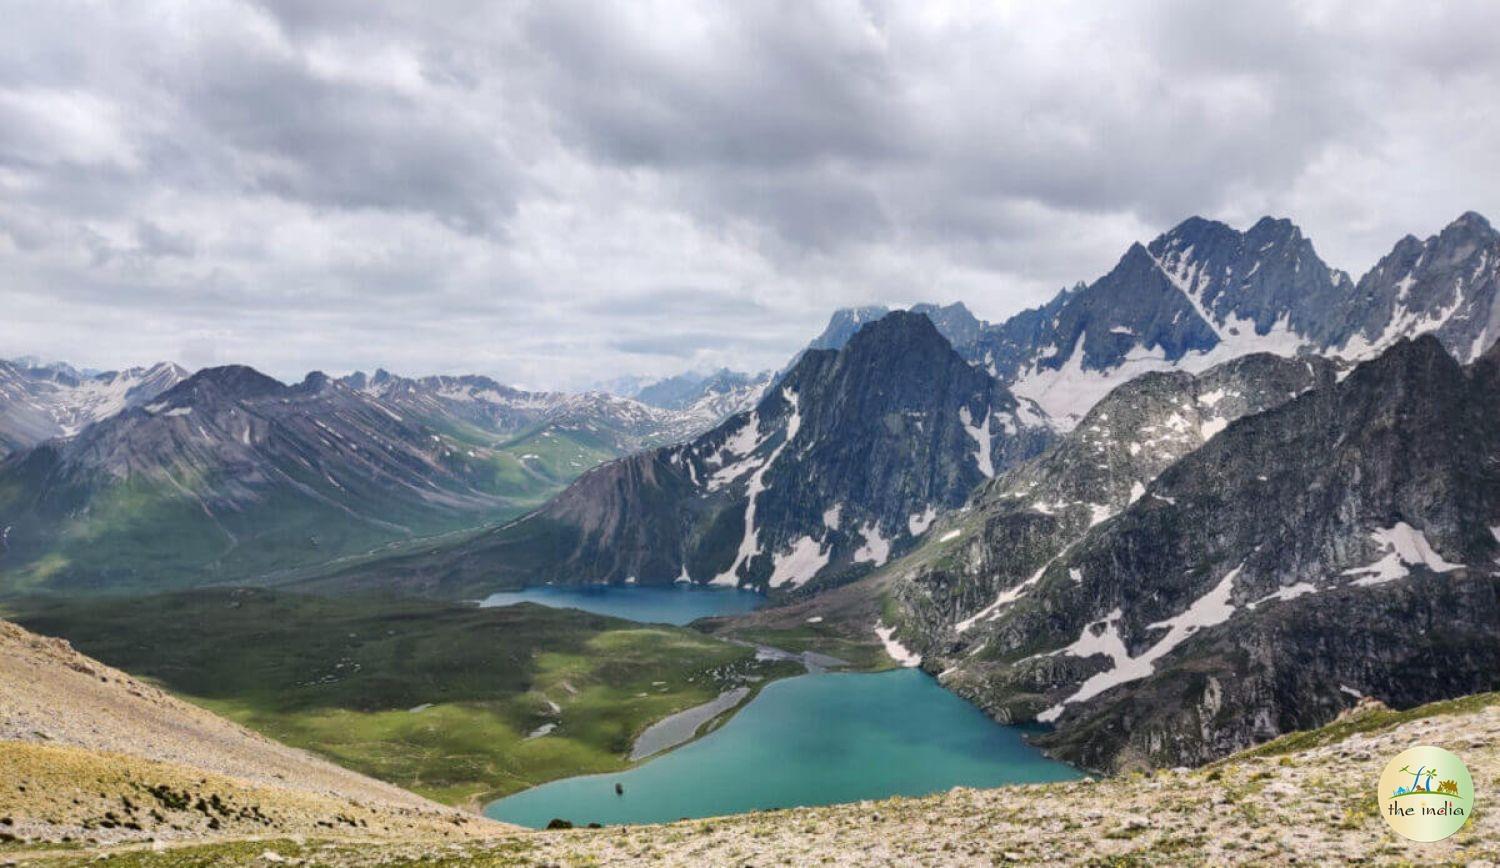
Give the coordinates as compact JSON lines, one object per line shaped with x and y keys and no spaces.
{"x":678,"y":605}
{"x":808,"y":740}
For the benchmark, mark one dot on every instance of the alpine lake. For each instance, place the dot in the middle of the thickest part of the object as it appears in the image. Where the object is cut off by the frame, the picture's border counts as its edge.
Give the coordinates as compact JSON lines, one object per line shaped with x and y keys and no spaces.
{"x":815,"y":739}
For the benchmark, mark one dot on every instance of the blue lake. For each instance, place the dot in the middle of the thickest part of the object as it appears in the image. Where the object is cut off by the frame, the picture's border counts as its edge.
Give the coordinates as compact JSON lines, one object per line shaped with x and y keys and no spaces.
{"x":678,"y":604}
{"x":809,"y":740}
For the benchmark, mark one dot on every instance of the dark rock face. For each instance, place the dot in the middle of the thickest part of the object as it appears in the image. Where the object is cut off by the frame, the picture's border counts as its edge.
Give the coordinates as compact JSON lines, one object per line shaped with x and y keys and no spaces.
{"x":1018,"y":523}
{"x":1341,"y":543}
{"x":844,"y":462}
{"x":1257,"y":279}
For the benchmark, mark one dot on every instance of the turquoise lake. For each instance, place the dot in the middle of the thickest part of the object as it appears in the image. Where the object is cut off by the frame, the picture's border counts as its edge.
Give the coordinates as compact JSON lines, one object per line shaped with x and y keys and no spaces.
{"x":809,"y":740}
{"x":678,"y":604}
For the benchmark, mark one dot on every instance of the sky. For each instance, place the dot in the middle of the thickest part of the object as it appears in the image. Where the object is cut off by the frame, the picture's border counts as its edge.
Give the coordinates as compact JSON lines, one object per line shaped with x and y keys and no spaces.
{"x":559,"y":193}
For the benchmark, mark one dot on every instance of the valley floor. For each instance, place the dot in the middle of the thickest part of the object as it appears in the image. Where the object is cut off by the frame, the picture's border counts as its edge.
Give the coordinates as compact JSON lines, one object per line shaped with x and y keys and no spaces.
{"x":457,"y":704}
{"x":1308,"y":798}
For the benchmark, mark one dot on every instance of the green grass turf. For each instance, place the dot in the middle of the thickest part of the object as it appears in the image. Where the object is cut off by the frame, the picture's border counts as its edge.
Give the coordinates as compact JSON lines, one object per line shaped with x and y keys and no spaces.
{"x":341,"y":677}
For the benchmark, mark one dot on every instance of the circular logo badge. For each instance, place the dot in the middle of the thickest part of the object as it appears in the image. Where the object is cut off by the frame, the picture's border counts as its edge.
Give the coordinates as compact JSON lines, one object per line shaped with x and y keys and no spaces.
{"x":1426,"y":794}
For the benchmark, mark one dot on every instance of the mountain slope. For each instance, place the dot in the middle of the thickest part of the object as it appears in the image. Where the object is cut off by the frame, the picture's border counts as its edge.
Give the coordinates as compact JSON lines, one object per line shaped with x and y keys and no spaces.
{"x":101,"y":755}
{"x":845,"y":461}
{"x":39,"y":403}
{"x":1014,"y":526}
{"x":1343,"y":543}
{"x":232,"y":473}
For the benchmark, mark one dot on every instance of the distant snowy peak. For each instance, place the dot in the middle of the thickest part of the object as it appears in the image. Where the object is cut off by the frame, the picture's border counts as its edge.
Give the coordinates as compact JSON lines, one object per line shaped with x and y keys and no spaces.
{"x":1448,"y":285}
{"x":1265,"y":279}
{"x":712,"y":397}
{"x":844,"y":323}
{"x":726,"y":394}
{"x":626,"y":423}
{"x":39,"y":403}
{"x":1197,"y":296}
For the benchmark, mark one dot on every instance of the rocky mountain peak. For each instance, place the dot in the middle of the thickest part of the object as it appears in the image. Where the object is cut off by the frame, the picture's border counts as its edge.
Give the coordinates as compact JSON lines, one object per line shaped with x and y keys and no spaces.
{"x":1473,"y":221}
{"x":844,"y":323}
{"x":227,"y":381}
{"x":315,"y":382}
{"x":1447,"y":285}
{"x":955,"y":321}
{"x":842,"y":463}
{"x":1269,"y":226}
{"x":898,"y":333}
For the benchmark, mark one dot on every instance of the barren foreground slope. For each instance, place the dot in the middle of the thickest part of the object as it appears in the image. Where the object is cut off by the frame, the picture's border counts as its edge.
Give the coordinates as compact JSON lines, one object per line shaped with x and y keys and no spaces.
{"x":1308,"y":798}
{"x":87,"y":752}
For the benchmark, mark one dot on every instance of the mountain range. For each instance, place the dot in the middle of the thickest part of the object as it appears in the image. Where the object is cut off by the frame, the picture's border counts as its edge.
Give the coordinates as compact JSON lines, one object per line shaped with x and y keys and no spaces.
{"x":143,"y":476}
{"x":1183,"y":479}
{"x":41,"y":401}
{"x":1204,"y":293}
{"x":740,"y":506}
{"x":847,"y":459}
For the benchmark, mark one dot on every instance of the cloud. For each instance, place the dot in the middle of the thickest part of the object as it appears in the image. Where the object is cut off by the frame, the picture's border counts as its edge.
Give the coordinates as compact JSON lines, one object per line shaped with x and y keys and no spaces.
{"x":556,"y":192}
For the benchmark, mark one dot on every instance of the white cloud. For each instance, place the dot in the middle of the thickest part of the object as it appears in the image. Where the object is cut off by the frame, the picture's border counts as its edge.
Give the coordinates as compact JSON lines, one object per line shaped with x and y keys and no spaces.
{"x":558,"y":192}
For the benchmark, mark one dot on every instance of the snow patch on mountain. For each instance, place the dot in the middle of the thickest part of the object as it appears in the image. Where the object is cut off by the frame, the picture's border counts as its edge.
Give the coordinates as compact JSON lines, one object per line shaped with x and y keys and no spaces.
{"x":894,"y":649}
{"x":876,"y":549}
{"x":981,"y":435}
{"x":918,"y":522}
{"x":1290,"y":592}
{"x":1068,"y":392}
{"x":750,"y":544}
{"x":1211,"y":609}
{"x":798,"y":564}
{"x":1404,"y":547}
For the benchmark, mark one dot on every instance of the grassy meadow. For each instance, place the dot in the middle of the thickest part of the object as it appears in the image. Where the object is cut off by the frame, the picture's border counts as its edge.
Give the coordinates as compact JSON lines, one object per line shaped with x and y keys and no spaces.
{"x":444,"y":699}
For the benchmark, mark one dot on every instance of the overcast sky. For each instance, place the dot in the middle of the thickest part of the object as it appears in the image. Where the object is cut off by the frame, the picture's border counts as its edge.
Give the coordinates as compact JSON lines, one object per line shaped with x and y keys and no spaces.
{"x":556,"y":193}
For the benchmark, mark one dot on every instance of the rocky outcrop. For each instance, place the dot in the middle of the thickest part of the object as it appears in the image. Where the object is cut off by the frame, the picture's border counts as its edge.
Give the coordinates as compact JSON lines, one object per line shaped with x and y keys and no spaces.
{"x":1338,"y":545}
{"x":1018,"y":523}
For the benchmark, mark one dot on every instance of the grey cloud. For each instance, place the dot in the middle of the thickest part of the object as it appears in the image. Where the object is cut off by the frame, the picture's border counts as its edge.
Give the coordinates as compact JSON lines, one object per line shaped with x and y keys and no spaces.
{"x":152,"y":240}
{"x":556,"y":191}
